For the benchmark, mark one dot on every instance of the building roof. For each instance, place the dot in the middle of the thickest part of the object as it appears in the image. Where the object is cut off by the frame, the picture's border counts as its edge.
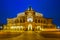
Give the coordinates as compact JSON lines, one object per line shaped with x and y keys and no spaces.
{"x":30,"y":10}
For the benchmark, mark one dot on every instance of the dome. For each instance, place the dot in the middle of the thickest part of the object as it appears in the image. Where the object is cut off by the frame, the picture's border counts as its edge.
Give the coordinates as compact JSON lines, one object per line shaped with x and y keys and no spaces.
{"x":21,"y":14}
{"x":38,"y":14}
{"x":30,"y":11}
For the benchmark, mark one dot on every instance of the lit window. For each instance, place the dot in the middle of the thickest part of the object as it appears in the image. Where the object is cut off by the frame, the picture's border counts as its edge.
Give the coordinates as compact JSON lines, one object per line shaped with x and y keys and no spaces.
{"x":58,"y":27}
{"x":30,"y":19}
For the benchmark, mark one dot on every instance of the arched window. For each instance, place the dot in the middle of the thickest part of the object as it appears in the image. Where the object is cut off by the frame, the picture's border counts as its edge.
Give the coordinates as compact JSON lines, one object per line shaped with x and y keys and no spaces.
{"x":35,"y":20}
{"x":38,"y":21}
{"x":41,"y":21}
{"x":20,"y":21}
{"x":44,"y":21}
{"x":23,"y":20}
{"x":16,"y":21}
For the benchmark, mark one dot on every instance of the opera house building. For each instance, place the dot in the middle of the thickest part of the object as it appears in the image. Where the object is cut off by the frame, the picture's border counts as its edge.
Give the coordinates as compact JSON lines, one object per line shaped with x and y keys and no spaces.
{"x":29,"y":21}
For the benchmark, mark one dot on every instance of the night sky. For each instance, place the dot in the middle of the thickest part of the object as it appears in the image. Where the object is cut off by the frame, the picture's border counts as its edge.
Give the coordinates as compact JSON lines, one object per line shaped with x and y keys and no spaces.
{"x":49,"y":8}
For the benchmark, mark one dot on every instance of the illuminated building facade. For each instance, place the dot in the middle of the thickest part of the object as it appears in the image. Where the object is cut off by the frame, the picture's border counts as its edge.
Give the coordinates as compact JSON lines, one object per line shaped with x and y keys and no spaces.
{"x":29,"y":21}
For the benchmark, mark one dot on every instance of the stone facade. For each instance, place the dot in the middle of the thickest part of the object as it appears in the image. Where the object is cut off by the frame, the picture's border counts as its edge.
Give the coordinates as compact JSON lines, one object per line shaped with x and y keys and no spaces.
{"x":29,"y":20}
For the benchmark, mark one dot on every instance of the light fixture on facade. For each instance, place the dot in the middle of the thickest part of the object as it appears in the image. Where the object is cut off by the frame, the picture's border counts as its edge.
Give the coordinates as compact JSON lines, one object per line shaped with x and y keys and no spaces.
{"x":16,"y":27}
{"x":58,"y":27}
{"x":0,"y":27}
{"x":30,"y":19}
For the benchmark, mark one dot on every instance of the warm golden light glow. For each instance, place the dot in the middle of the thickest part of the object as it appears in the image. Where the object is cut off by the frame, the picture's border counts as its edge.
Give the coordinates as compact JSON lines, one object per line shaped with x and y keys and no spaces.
{"x":30,"y":27}
{"x":29,"y":20}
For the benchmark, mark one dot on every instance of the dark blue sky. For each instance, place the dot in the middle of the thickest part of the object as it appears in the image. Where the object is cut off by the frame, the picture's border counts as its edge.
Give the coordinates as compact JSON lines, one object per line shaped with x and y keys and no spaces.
{"x":49,"y":8}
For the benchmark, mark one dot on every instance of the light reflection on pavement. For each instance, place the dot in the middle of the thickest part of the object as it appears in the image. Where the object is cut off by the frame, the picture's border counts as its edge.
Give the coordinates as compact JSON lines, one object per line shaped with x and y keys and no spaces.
{"x":29,"y":35}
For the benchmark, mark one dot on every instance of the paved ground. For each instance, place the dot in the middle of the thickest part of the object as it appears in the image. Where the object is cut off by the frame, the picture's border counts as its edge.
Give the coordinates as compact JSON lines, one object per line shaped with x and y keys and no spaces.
{"x":29,"y":35}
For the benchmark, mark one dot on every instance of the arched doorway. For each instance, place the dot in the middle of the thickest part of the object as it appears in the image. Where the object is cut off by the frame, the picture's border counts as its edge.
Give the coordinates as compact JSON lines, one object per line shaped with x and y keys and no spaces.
{"x":29,"y":27}
{"x":38,"y":28}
